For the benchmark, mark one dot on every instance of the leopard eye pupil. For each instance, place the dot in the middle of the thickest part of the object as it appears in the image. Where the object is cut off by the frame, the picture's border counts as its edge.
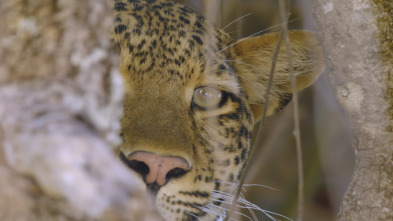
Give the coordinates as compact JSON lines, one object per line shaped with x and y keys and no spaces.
{"x":207,"y":97}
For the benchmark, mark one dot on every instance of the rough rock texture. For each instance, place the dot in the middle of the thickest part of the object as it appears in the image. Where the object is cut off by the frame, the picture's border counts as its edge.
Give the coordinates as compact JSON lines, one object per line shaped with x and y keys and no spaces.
{"x":357,"y":39}
{"x":384,"y":17}
{"x":60,"y":108}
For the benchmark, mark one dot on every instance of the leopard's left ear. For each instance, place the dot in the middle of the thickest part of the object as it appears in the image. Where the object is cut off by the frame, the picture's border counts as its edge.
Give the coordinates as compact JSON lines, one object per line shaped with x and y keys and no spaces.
{"x":253,"y":58}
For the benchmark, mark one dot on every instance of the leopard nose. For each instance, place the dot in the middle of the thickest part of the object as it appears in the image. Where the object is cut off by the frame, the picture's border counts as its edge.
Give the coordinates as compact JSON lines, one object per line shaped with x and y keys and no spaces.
{"x":156,"y":168}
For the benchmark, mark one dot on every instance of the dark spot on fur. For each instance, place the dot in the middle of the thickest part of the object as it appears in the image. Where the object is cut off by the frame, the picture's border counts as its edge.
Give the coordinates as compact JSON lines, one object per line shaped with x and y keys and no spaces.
{"x":244,"y":154}
{"x":182,"y":59}
{"x":198,"y":24}
{"x":185,"y":20}
{"x":199,"y":194}
{"x":217,"y":185}
{"x":219,"y":201}
{"x":120,"y":6}
{"x":187,"y":52}
{"x":138,"y":7}
{"x":120,"y":28}
{"x":243,"y":131}
{"x":231,"y":178}
{"x":193,"y":216}
{"x":284,"y":100}
{"x":222,"y":67}
{"x":199,"y":32}
{"x":167,"y":4}
{"x":137,"y":31}
{"x":182,"y":34}
{"x":141,"y":44}
{"x":237,"y":160}
{"x":191,"y":44}
{"x":239,"y":145}
{"x":197,"y":39}
{"x":239,"y":176}
{"x":157,"y":7}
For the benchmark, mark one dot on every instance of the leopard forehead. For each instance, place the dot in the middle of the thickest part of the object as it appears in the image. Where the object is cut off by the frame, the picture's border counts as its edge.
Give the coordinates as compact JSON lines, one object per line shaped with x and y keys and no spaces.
{"x":159,"y":36}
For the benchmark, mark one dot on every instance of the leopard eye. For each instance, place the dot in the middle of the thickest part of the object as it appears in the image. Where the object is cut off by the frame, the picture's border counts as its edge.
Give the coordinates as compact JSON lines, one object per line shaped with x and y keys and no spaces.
{"x":207,"y":97}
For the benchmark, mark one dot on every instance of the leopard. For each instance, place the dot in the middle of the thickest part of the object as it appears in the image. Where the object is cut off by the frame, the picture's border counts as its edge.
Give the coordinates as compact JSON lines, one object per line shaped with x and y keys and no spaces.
{"x":192,"y":96}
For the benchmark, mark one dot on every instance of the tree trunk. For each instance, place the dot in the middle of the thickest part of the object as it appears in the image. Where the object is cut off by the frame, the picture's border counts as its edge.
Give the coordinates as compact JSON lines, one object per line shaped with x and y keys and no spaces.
{"x":357,"y":38}
{"x":60,"y":108}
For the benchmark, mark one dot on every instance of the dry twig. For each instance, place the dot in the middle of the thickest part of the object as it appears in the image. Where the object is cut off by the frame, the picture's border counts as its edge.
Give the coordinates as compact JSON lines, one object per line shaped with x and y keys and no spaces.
{"x":284,"y":14}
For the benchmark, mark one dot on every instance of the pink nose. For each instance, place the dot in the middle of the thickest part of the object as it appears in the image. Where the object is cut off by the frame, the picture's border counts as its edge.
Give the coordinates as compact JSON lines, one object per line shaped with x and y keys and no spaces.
{"x":157,"y":169}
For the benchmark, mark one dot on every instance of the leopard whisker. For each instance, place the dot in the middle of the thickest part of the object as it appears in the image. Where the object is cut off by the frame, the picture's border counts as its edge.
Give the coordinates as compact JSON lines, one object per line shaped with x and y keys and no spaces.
{"x":243,"y":78}
{"x":221,"y":216}
{"x":246,"y":185}
{"x":213,"y":213}
{"x":242,"y":62}
{"x":231,"y":23}
{"x":263,"y":71}
{"x":244,"y":204}
{"x":189,"y":213}
{"x":212,"y":205}
{"x":231,"y":32}
{"x":252,"y":35}
{"x":230,"y":197}
{"x":225,"y":209}
{"x":259,"y":185}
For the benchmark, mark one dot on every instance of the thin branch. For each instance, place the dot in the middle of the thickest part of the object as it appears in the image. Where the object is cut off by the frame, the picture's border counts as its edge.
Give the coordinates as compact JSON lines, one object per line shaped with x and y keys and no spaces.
{"x":239,"y":25}
{"x":221,"y":19}
{"x":211,"y":10}
{"x":284,"y":28}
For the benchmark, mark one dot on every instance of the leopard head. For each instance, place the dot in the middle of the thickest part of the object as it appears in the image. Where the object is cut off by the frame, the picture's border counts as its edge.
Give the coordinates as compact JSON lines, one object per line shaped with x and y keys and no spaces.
{"x":192,"y":95}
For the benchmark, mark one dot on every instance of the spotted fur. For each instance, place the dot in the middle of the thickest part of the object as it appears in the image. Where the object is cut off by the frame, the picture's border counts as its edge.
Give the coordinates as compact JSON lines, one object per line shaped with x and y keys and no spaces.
{"x":167,"y":51}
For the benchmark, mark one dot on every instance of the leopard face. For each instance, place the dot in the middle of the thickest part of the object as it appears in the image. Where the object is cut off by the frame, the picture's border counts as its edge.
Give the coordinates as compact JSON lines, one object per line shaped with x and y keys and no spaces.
{"x":192,"y":95}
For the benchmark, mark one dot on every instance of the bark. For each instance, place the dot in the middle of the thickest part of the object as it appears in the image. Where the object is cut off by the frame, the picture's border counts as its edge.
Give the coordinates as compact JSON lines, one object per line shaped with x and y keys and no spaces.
{"x":60,"y":108}
{"x":357,"y":39}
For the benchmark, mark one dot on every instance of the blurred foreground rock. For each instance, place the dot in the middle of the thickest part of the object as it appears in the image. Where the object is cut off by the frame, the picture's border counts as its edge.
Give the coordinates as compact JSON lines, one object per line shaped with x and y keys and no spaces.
{"x":60,"y":109}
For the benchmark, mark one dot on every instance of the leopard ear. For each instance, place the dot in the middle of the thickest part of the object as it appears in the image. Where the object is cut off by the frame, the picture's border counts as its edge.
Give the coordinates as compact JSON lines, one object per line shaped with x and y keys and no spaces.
{"x":253,"y":58}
